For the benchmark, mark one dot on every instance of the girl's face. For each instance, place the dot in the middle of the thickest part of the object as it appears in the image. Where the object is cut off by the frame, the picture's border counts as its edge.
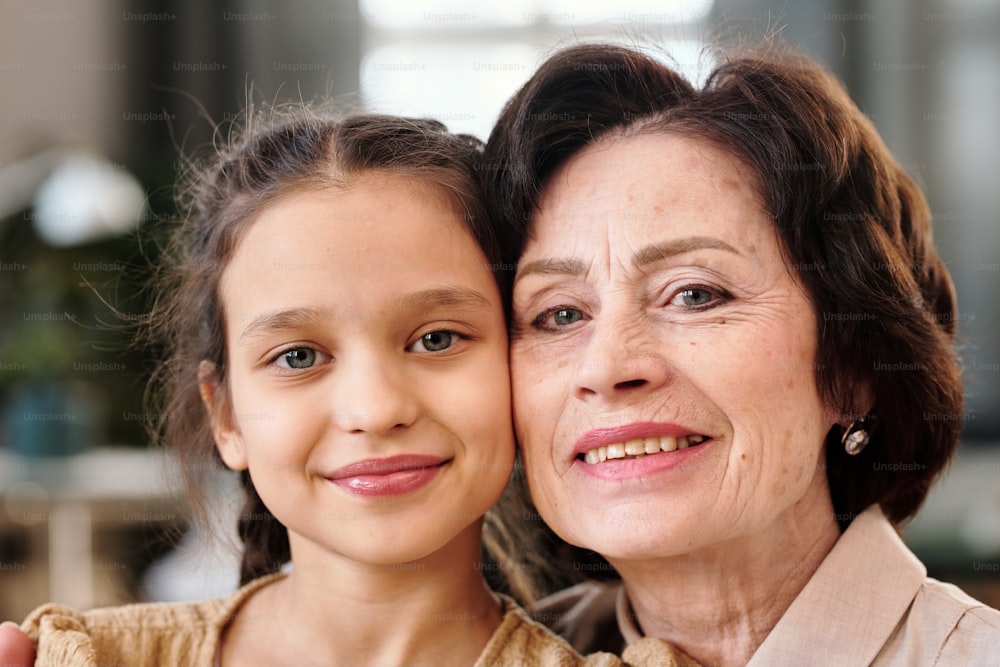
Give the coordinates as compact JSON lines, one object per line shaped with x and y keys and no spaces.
{"x":368,"y":379}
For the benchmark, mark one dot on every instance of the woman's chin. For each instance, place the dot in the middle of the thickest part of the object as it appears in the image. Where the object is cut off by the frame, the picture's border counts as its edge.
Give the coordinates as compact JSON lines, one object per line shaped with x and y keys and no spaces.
{"x":627,"y":542}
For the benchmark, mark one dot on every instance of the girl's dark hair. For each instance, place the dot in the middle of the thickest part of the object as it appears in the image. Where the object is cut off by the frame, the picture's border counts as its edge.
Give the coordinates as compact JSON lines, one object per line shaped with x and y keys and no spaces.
{"x":854,"y":230}
{"x":300,"y":150}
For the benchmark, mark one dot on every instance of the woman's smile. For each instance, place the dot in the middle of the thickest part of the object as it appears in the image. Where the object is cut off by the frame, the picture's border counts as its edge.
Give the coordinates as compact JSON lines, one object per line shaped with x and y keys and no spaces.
{"x":658,"y":338}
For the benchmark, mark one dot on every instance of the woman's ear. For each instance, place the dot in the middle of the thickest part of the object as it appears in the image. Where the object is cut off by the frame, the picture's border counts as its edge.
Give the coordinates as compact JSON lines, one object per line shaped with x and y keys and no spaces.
{"x":228,"y":439}
{"x":860,"y":408}
{"x":865,"y":403}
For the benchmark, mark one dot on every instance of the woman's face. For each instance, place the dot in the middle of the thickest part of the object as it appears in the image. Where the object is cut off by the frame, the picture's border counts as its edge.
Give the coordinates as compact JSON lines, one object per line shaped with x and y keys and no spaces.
{"x":367,"y":369}
{"x":663,"y":356}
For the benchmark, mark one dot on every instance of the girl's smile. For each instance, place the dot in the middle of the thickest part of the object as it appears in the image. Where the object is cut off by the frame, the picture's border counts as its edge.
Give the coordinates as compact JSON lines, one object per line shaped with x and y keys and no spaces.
{"x":367,"y":370}
{"x":388,"y":477}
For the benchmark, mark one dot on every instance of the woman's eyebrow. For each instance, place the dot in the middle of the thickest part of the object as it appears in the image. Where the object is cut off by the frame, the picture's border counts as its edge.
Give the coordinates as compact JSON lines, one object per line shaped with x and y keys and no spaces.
{"x":654,"y":252}
{"x":648,"y":254}
{"x":552,"y":267}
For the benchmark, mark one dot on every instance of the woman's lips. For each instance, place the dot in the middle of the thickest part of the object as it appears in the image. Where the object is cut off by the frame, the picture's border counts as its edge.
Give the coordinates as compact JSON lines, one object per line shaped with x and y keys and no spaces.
{"x":636,"y":450}
{"x":641,"y":447}
{"x":635,"y":439}
{"x":391,"y":476}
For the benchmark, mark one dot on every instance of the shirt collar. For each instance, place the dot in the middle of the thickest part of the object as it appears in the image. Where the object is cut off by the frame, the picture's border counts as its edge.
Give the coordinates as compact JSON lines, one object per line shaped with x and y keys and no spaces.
{"x":848,"y":609}
{"x":852,"y":604}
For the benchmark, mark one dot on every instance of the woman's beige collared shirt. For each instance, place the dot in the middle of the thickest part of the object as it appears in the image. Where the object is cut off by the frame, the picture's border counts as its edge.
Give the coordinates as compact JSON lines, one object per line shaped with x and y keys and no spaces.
{"x":870,"y":602}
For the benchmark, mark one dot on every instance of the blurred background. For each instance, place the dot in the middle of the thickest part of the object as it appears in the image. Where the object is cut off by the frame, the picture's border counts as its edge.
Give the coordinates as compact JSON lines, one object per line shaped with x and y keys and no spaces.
{"x":103,"y":101}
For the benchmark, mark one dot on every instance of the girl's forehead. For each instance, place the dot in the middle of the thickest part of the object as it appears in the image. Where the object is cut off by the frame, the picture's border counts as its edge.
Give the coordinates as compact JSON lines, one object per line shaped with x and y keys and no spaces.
{"x":358,"y":203}
{"x":352,"y":248}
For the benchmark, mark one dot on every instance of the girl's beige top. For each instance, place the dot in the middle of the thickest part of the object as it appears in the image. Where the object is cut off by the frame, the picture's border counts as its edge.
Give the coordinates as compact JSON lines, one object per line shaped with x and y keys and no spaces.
{"x":156,"y":634}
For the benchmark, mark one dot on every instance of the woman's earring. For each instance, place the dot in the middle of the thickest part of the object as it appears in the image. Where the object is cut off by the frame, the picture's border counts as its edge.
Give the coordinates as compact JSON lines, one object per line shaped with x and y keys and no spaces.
{"x":855,"y":438}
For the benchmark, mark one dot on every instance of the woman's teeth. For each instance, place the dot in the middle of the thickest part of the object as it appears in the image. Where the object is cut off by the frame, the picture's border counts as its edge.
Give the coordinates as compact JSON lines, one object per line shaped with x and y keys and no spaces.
{"x":641,"y":447}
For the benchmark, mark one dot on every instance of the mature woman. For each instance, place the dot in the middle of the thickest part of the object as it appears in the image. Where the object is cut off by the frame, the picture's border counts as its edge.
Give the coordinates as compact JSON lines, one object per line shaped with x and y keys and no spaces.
{"x":732,"y":360}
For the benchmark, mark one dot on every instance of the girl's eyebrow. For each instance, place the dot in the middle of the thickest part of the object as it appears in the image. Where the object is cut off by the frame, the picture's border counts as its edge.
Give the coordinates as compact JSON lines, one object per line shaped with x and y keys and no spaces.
{"x":463,"y":298}
{"x":451,"y":297}
{"x":283,"y":320}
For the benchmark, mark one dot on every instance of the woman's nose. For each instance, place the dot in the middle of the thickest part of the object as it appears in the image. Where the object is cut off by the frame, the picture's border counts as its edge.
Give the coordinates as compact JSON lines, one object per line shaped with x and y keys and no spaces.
{"x":622,"y":357}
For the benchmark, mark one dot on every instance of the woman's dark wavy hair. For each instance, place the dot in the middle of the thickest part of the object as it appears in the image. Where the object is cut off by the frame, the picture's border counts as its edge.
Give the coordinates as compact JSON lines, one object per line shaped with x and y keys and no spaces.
{"x":854,"y":229}
{"x":278,"y":153}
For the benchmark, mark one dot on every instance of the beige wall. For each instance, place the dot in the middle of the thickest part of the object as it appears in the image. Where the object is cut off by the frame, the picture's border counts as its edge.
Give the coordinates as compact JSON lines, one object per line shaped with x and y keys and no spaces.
{"x":63,"y":70}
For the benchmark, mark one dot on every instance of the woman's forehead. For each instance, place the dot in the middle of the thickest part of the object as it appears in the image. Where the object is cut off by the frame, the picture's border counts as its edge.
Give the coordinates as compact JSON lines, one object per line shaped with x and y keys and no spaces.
{"x":645,"y":184}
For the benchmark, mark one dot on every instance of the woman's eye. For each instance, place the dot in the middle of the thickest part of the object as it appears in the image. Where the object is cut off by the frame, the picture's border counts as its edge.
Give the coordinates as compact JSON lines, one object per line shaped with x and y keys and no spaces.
{"x":435,"y":341}
{"x":565,"y":316}
{"x":554,"y":318}
{"x":693,"y":297}
{"x":298,"y":358}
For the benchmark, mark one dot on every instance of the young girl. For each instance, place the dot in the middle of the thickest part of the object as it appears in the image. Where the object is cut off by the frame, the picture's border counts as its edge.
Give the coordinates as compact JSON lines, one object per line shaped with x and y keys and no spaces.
{"x":335,"y":333}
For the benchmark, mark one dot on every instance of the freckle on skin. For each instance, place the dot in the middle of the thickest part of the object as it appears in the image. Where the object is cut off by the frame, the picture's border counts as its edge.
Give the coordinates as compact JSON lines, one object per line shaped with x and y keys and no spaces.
{"x":730,"y":184}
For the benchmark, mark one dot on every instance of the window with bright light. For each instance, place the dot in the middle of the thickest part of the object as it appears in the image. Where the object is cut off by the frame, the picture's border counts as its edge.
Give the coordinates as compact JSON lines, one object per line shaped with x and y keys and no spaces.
{"x":459,"y":62}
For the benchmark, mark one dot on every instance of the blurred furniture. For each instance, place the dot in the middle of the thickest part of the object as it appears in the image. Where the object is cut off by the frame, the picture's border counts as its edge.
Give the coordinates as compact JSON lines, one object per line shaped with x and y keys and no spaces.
{"x":51,"y":508}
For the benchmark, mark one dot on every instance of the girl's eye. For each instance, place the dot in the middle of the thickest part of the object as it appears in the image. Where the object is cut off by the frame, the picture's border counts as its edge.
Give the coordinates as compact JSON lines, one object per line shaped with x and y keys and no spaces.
{"x":693,"y":297}
{"x":561,"y":316}
{"x":435,"y":341}
{"x":298,"y":358}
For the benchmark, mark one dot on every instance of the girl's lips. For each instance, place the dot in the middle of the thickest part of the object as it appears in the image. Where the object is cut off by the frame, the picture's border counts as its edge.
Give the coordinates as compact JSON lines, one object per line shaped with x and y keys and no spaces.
{"x":392,"y":476}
